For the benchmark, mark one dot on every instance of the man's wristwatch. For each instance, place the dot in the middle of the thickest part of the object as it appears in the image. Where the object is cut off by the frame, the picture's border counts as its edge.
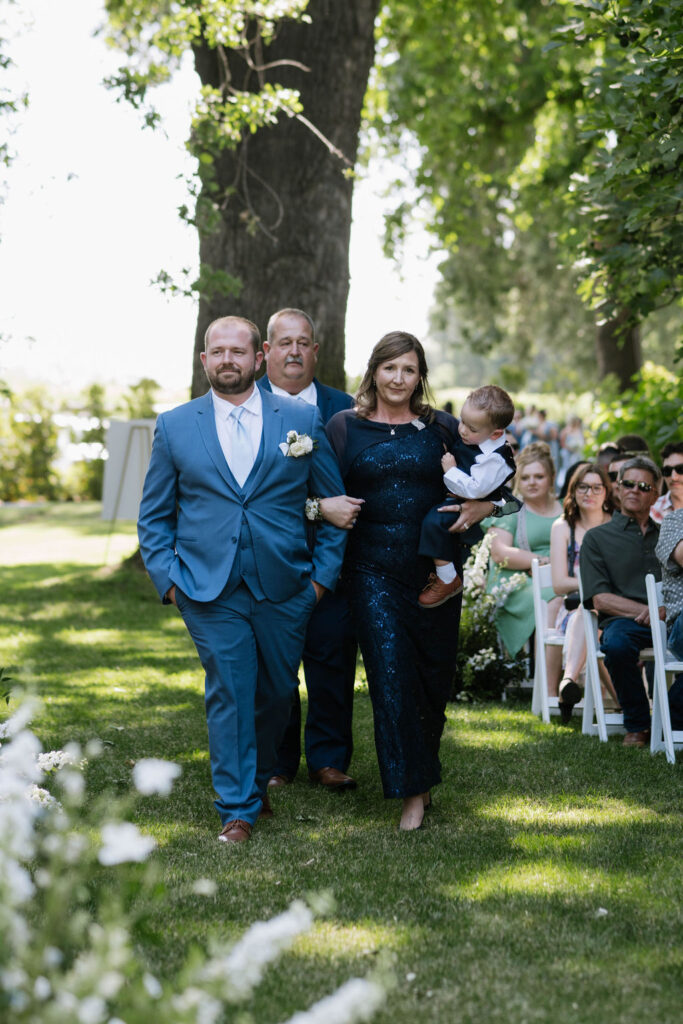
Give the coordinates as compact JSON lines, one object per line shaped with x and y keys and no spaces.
{"x":497,"y":511}
{"x":313,"y":510}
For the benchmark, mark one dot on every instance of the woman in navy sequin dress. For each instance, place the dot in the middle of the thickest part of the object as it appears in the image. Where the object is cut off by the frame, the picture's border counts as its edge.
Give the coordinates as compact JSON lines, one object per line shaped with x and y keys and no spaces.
{"x":390,"y":449}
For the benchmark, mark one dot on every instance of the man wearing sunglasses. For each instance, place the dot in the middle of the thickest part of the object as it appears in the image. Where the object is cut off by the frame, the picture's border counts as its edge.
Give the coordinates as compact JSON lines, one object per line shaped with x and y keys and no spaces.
{"x":671,"y":456}
{"x":614,"y":561}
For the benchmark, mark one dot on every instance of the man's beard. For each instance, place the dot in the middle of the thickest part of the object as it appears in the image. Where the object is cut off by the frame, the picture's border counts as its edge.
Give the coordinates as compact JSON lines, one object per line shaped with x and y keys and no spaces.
{"x":238,"y":382}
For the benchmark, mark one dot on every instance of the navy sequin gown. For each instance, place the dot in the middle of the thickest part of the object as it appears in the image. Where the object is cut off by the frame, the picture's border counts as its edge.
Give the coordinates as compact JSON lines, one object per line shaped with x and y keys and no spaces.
{"x":408,"y":652}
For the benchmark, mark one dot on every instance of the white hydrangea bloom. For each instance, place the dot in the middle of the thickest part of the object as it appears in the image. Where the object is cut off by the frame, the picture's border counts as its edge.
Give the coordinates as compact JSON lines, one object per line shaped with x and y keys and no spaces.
{"x":124,"y":842}
{"x":153,"y":775}
{"x":242,"y":968}
{"x":357,"y":1000}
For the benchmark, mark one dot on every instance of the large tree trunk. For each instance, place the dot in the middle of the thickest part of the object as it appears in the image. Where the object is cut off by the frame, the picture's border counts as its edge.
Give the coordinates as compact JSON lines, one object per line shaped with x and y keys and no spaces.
{"x":285,"y":228}
{"x":618,"y":349}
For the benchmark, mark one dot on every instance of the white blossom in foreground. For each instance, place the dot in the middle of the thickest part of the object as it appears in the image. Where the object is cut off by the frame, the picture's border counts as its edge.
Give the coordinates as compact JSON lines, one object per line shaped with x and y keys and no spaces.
{"x":242,"y":968}
{"x":84,"y":967}
{"x":122,"y":842}
{"x":152,"y":775}
{"x":53,"y":760}
{"x":357,"y":1000}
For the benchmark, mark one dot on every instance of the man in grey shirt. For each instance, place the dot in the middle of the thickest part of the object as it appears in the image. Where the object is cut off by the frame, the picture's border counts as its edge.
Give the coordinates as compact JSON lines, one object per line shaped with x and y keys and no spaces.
{"x":614,"y":560}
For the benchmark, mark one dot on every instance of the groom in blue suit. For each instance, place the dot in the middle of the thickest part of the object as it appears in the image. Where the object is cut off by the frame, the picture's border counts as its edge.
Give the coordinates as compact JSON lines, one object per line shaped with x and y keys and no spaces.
{"x":222,"y":536}
{"x":329,"y":656}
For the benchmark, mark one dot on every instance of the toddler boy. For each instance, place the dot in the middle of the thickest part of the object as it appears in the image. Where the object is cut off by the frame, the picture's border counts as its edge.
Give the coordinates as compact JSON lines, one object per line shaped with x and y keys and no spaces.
{"x":479,"y":464}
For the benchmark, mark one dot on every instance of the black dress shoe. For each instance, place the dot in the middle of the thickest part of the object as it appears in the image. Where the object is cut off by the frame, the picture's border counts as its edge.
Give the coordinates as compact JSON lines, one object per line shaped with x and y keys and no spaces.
{"x":331,"y":778}
{"x":570,"y":694}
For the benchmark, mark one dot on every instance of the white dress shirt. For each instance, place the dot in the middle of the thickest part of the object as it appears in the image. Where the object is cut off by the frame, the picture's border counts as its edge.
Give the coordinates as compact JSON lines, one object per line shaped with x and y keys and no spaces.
{"x":488,"y":472}
{"x":309,"y":394}
{"x":252,"y":420}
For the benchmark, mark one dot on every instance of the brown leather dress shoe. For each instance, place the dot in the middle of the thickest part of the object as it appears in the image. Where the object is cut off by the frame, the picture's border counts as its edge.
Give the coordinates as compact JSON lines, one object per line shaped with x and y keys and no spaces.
{"x":331,"y":778}
{"x":437,"y":592}
{"x":637,"y":739}
{"x":236,"y":831}
{"x":266,"y":810}
{"x":279,"y":780}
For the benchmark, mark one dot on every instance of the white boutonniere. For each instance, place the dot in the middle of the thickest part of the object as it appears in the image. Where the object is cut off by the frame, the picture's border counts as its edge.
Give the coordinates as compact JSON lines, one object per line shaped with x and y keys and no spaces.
{"x":297,"y":445}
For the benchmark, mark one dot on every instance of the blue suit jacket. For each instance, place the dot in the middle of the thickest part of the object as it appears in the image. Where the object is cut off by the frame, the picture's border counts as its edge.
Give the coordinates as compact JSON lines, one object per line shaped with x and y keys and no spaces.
{"x":192,"y":510}
{"x":330,"y":400}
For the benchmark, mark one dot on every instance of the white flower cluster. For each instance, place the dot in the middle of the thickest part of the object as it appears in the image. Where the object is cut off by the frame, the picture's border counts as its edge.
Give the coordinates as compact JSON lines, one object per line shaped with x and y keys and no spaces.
{"x":476,"y":570}
{"x":53,"y":760}
{"x":481,"y":661}
{"x":298,"y":444}
{"x":100,"y":980}
{"x":501,"y":591}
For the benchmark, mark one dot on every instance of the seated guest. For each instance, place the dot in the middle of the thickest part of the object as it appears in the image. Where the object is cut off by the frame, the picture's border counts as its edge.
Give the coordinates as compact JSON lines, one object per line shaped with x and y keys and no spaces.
{"x":588,"y":504}
{"x":571,"y":470}
{"x":672,"y":471}
{"x":614,"y":559}
{"x":519,"y":538}
{"x":670,"y":553}
{"x":613,"y":473}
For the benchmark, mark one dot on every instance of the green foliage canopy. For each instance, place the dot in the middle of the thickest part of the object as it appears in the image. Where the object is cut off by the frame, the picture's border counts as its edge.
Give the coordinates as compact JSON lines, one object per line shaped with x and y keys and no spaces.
{"x":537,"y":175}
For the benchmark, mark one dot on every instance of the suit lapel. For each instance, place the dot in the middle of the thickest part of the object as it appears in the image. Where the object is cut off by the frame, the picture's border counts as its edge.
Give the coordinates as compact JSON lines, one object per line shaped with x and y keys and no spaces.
{"x":206,"y":421}
{"x":323,"y":401}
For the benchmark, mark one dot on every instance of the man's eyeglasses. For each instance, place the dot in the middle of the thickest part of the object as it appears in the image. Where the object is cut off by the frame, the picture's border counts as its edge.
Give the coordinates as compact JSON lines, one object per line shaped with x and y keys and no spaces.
{"x":677,"y":469}
{"x":589,"y":488}
{"x":639,"y":484}
{"x":614,"y":475}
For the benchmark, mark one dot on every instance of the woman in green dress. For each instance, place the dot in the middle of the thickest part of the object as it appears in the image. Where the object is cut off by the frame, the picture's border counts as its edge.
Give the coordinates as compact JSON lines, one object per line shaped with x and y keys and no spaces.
{"x":519,"y":538}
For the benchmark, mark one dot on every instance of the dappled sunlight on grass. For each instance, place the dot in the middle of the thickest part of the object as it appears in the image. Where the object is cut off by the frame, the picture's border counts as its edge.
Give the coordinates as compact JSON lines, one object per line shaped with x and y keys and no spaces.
{"x":490,"y":912}
{"x":484,"y":726}
{"x":569,"y":811}
{"x":91,"y":637}
{"x":352,"y":940}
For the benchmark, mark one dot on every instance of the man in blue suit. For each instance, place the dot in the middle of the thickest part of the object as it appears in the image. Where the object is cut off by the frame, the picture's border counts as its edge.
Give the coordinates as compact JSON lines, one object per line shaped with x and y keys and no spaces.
{"x":222,"y":535}
{"x":330,"y":653}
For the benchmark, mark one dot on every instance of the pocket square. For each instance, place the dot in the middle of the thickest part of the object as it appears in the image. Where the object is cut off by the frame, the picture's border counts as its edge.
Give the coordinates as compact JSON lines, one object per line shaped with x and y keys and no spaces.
{"x":284,"y":447}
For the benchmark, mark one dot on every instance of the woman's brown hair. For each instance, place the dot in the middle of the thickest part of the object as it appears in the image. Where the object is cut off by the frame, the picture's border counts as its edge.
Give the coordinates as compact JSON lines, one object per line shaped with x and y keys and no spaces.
{"x":396,"y":343}
{"x":571,"y":510}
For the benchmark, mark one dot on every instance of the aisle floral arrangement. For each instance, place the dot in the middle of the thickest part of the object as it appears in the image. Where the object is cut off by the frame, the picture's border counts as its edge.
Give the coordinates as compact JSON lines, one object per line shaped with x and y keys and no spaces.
{"x":483,"y":668}
{"x":67,"y":954}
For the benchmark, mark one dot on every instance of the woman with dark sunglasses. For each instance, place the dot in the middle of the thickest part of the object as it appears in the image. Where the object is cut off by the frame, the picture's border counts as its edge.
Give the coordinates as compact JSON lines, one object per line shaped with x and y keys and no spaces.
{"x":672,"y":472}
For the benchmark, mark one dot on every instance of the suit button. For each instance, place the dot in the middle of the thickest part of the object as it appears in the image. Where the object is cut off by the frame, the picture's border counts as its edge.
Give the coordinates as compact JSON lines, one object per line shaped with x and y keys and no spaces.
{"x":233,"y":540}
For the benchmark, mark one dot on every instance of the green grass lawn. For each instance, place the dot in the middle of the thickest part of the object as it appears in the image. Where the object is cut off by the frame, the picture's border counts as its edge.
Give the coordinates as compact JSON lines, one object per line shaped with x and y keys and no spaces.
{"x":545,"y":887}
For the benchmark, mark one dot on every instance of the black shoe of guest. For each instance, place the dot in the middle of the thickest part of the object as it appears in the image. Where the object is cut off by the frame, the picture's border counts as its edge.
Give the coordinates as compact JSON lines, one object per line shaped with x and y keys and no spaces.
{"x":570,"y":694}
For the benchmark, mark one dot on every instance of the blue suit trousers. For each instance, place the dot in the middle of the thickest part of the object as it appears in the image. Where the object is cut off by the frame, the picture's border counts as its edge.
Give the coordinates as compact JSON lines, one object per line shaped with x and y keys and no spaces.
{"x":250,"y":652}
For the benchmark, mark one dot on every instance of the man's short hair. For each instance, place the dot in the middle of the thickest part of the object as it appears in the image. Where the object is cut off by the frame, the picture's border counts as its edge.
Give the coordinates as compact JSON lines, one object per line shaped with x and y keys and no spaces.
{"x":253,"y":329}
{"x":288,"y":311}
{"x":495,"y":402}
{"x":641,"y":462}
{"x":633,"y":444}
{"x":672,"y":448}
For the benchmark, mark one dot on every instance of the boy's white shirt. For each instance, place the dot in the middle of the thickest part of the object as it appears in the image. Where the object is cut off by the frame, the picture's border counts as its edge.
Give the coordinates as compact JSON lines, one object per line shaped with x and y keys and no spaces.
{"x":489,"y":471}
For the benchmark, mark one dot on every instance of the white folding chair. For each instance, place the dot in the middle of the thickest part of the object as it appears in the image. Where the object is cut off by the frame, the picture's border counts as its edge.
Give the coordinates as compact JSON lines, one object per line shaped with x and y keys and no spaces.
{"x":595,"y":721}
{"x":663,"y":737}
{"x":541,"y":703}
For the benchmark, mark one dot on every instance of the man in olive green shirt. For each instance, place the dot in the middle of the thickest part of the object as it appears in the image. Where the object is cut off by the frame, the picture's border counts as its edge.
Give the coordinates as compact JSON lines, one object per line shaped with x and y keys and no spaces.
{"x":614,"y":561}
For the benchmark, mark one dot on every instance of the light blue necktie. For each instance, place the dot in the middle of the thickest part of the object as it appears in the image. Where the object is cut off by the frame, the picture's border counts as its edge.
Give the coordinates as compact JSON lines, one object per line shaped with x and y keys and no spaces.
{"x":241,"y":460}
